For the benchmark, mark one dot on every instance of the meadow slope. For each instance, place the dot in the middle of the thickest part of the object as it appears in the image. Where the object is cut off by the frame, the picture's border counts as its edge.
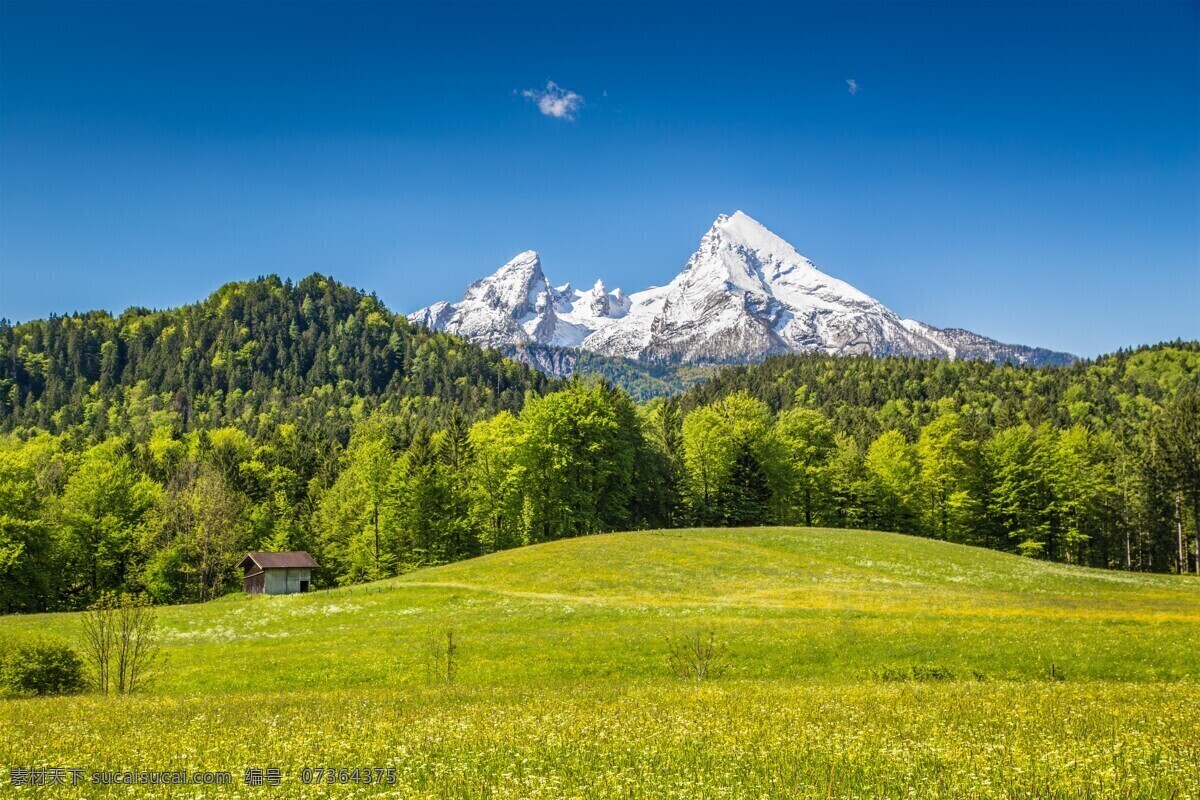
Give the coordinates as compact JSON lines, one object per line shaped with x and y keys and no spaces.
{"x":563,"y":688}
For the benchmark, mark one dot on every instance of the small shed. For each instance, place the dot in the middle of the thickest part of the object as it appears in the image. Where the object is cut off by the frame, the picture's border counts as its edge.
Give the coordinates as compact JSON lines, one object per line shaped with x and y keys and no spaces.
{"x":277,"y":573}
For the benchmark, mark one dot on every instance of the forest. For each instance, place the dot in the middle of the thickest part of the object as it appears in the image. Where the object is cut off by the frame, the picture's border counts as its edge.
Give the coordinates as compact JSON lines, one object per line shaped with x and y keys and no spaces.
{"x":148,"y":452}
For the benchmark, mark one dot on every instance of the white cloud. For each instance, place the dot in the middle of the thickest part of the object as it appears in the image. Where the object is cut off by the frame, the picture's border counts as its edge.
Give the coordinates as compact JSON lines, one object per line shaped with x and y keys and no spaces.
{"x":853,"y":84}
{"x":555,"y":101}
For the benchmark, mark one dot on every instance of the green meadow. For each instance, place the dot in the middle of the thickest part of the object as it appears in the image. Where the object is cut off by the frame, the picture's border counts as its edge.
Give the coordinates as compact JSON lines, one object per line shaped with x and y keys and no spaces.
{"x":856,"y":665}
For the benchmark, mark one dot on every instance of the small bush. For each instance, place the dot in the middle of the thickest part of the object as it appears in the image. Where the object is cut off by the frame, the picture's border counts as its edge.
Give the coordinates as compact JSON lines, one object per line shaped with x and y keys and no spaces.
{"x":39,"y":666}
{"x":441,"y":657}
{"x":919,"y":672}
{"x":696,"y":656}
{"x":122,"y":643}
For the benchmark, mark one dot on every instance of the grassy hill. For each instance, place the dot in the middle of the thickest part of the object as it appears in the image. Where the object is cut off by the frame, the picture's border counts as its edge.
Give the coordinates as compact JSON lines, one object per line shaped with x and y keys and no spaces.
{"x":564,"y":689}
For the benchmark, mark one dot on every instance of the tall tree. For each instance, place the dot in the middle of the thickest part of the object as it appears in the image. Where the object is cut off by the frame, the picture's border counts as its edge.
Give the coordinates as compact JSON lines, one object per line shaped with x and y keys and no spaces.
{"x":577,"y":462}
{"x":420,"y":500}
{"x":807,"y":441}
{"x":27,"y":560}
{"x":1176,"y":432}
{"x":104,"y":507}
{"x":494,"y":497}
{"x":201,"y":536}
{"x":942,"y":450}
{"x":354,"y":535}
{"x":894,"y":476}
{"x":1020,"y":493}
{"x":735,"y":429}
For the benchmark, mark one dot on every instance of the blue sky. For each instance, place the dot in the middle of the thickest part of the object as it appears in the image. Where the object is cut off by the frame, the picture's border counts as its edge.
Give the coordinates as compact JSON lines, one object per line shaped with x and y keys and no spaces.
{"x":1029,"y":171}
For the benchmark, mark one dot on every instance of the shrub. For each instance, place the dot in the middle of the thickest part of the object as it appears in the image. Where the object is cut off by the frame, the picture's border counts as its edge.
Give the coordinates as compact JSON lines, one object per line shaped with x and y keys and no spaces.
{"x":696,"y":656}
{"x":121,"y":642}
{"x":1055,"y":672}
{"x":39,"y":666}
{"x":922,"y":672}
{"x":441,"y":657}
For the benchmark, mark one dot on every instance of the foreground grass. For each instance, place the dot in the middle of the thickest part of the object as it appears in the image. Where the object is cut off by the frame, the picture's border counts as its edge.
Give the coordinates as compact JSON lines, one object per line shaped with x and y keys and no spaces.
{"x":648,"y":739}
{"x":564,"y":690}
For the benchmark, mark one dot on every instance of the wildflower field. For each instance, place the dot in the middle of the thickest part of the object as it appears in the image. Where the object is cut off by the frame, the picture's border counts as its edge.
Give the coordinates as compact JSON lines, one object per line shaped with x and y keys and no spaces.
{"x":854,"y":665}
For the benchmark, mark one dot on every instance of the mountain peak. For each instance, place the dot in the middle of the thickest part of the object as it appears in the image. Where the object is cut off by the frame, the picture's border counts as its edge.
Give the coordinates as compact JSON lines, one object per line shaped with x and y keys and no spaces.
{"x":744,"y":293}
{"x":515,"y":290}
{"x":743,"y":230}
{"x":520,"y":275}
{"x":527,"y":262}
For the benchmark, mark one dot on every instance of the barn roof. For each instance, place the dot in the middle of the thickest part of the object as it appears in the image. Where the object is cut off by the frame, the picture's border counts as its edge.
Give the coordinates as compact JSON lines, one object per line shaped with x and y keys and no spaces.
{"x":296,"y":559}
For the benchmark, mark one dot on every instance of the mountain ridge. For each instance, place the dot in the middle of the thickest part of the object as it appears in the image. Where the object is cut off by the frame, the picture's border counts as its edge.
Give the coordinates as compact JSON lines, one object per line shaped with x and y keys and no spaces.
{"x":744,"y":294}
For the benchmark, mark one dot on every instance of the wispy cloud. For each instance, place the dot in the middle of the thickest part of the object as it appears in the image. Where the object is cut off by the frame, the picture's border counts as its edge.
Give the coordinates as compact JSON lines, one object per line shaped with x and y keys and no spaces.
{"x":555,"y":101}
{"x":853,"y":84}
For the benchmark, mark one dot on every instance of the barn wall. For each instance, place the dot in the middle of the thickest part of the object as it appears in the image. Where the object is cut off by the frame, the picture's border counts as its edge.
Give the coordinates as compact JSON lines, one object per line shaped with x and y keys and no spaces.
{"x":294,"y":578}
{"x":286,"y":581}
{"x":276,"y":581}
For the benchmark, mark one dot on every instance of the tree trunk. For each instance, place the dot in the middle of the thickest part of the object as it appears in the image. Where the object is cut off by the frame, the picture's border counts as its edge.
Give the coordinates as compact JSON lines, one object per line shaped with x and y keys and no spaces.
{"x":1181,"y":556}
{"x":1196,"y":526}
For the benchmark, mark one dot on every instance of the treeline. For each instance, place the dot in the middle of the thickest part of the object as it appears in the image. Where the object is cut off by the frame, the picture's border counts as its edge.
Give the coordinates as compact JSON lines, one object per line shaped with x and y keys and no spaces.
{"x":172,"y":513}
{"x":382,"y":448}
{"x":1096,"y":463}
{"x":1070,"y":494}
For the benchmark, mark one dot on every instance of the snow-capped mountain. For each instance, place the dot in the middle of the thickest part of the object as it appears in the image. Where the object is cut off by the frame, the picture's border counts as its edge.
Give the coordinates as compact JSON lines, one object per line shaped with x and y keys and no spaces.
{"x":744,"y":294}
{"x":517,"y":305}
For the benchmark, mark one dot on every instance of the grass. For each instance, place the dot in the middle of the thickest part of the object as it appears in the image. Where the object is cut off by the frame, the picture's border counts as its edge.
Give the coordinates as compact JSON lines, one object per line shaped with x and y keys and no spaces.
{"x":860,"y":665}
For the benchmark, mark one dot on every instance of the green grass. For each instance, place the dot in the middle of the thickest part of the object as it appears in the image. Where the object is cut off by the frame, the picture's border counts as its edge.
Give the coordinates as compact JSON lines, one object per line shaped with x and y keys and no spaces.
{"x":564,"y":688}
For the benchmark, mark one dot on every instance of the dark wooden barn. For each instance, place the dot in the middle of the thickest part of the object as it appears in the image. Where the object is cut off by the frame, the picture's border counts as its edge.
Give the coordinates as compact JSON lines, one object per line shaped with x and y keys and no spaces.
{"x":278,"y":573}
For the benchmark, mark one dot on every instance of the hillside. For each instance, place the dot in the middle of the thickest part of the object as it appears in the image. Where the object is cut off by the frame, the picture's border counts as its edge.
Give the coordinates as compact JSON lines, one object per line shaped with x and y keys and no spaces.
{"x":860,"y":665}
{"x":814,"y":603}
{"x":251,"y":347}
{"x":642,"y":380}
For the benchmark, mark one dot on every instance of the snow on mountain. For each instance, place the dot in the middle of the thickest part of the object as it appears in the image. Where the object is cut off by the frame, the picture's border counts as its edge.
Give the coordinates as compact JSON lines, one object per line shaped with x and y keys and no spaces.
{"x":744,"y":294}
{"x":959,"y":343}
